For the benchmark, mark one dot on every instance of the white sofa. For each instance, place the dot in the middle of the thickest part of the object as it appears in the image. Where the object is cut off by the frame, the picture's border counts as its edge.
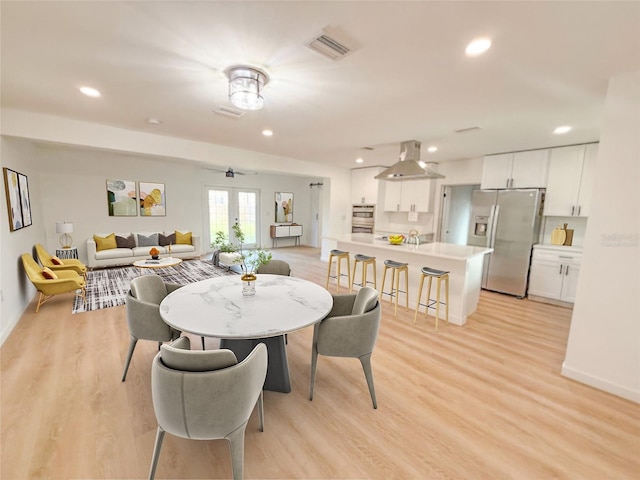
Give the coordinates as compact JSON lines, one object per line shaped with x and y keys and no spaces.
{"x":126,"y":256}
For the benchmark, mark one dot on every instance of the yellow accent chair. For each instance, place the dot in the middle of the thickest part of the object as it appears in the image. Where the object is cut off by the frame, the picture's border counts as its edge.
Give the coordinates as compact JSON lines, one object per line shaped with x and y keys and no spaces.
{"x":67,"y":281}
{"x":67,"y":264}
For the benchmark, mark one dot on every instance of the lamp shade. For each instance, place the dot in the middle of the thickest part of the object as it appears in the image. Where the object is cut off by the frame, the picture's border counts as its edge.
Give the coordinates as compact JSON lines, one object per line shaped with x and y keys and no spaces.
{"x":65,"y":229}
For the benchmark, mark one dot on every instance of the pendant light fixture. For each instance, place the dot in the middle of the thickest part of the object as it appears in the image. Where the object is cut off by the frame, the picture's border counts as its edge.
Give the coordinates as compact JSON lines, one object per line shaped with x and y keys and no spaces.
{"x":245,"y":86}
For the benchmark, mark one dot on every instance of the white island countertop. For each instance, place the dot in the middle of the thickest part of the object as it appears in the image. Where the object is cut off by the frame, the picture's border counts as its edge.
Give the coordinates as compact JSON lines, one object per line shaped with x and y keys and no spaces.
{"x":463,"y":262}
{"x":435,"y":249}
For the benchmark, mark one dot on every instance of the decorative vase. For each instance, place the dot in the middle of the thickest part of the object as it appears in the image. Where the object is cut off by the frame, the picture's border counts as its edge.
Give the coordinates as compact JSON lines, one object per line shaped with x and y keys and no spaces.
{"x":249,"y":286}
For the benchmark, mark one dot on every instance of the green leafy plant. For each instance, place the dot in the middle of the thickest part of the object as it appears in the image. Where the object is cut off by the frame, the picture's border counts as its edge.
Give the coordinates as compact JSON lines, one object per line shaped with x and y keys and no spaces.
{"x":221,"y":243}
{"x":251,"y":260}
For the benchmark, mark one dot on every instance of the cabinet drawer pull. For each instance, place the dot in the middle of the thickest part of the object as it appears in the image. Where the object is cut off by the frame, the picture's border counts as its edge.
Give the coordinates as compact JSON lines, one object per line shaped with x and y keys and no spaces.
{"x":564,"y":256}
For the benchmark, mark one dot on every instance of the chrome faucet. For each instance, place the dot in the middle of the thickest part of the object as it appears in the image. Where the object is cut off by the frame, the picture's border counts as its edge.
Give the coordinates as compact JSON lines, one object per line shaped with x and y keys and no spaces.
{"x":415,"y":237}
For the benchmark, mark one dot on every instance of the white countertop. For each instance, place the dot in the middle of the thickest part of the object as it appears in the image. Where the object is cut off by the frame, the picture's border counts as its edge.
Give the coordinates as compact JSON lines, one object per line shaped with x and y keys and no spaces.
{"x":558,"y":248}
{"x":435,"y":249}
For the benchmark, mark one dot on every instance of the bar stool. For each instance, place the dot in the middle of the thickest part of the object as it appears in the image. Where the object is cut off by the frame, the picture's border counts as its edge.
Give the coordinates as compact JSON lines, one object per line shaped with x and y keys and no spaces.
{"x":364,"y":261}
{"x":339,"y":255}
{"x":396,"y":269}
{"x":439,"y":275}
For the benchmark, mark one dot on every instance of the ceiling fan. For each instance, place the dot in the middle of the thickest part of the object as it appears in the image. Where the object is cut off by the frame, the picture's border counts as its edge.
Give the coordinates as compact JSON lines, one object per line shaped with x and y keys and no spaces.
{"x":231,"y":172}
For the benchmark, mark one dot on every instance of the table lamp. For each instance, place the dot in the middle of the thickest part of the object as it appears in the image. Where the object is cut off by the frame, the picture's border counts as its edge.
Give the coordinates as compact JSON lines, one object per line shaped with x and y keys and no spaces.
{"x":66,"y":229}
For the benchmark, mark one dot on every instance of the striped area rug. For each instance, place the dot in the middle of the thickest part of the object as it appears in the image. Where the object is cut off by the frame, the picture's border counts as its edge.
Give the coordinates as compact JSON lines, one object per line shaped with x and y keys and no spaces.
{"x":108,"y":287}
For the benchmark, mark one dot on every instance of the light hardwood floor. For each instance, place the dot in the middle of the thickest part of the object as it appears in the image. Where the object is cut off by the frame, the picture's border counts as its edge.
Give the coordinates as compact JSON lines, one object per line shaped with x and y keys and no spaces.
{"x":483,"y":401}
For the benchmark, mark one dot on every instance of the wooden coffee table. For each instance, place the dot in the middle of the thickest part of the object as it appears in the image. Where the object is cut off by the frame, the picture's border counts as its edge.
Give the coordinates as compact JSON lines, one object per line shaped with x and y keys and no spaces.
{"x":160,"y":263}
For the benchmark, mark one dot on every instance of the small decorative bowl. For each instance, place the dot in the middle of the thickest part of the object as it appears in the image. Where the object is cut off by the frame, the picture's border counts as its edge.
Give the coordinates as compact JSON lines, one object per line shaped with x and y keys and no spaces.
{"x":396,"y":241}
{"x":155,"y":257}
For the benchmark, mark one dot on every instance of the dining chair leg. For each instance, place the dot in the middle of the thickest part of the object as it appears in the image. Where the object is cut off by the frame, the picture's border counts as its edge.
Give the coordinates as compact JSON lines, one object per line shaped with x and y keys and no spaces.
{"x":368,"y":373}
{"x":236,"y":442}
{"x":156,"y":453}
{"x":132,"y":346}
{"x":261,"y":410}
{"x":314,"y":360}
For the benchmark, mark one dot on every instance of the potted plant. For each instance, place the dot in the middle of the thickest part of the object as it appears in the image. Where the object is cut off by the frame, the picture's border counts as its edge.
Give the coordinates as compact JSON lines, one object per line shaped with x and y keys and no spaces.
{"x":221,"y":243}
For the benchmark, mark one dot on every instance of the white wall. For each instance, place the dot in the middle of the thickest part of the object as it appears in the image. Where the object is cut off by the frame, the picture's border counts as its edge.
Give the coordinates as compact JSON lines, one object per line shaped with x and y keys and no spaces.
{"x":16,"y":291}
{"x":68,"y":163}
{"x":604,"y":341}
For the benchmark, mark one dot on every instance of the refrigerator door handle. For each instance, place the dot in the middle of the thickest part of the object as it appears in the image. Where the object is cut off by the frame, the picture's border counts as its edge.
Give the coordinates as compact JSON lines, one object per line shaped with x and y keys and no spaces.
{"x":495,"y":211}
{"x":490,"y":226}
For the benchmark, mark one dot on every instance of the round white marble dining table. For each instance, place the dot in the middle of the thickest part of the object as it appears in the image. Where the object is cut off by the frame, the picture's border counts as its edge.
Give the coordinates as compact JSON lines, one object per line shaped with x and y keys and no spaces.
{"x":216,"y":308}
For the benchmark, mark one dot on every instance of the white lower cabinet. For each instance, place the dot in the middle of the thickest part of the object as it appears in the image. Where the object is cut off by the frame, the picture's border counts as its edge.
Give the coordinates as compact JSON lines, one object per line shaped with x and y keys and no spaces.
{"x":554,"y":273}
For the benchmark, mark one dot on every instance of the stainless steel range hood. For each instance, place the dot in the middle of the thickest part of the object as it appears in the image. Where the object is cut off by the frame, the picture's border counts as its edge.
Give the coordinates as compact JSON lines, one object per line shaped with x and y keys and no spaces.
{"x":410,"y":167}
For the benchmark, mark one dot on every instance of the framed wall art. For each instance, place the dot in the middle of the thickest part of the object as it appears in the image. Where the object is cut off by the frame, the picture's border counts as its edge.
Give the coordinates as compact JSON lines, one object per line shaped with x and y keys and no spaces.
{"x":152,"y":199}
{"x":25,"y":201}
{"x":284,"y":207}
{"x":122,"y":198}
{"x":16,"y":189}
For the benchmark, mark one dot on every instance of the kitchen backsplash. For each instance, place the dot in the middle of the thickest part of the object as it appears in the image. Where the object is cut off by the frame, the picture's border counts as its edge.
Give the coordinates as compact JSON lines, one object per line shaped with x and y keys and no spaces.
{"x":398,"y":222}
{"x":578,"y":224}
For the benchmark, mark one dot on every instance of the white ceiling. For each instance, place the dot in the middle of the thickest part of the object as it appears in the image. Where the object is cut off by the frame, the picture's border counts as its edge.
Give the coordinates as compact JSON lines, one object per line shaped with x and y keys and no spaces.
{"x":408,"y":77}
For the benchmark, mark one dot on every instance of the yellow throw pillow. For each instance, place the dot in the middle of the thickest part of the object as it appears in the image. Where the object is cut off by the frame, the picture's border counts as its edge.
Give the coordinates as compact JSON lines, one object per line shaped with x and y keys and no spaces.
{"x":48,"y":274}
{"x":183,"y":238}
{"x":56,"y":261}
{"x":105,"y":243}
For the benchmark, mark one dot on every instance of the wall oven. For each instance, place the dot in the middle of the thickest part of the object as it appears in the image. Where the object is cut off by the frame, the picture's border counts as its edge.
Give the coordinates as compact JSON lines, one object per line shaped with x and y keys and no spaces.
{"x":363,"y":218}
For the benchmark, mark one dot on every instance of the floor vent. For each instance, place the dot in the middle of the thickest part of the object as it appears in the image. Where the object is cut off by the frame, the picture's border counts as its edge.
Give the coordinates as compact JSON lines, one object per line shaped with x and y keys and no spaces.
{"x":329,"y":47}
{"x":229,"y":112}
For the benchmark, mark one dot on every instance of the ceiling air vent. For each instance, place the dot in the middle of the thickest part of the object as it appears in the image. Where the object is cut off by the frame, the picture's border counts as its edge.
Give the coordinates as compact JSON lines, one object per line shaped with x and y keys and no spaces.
{"x":329,"y":47}
{"x":465,"y":130}
{"x":229,"y":112}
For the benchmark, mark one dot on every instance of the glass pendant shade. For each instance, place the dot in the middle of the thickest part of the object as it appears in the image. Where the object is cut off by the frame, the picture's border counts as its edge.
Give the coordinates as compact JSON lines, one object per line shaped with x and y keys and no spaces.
{"x":245,"y":87}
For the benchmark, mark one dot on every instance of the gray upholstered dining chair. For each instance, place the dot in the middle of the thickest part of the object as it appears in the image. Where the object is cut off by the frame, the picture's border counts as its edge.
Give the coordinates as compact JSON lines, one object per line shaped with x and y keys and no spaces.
{"x":143,"y":313}
{"x":349,"y":330}
{"x":206,"y":395}
{"x":275,"y":267}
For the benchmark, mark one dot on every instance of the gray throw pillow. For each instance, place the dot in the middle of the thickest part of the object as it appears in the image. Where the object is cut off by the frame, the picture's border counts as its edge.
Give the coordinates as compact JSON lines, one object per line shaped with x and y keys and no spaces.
{"x":150,"y":241}
{"x":166,"y":240}
{"x":126,"y":242}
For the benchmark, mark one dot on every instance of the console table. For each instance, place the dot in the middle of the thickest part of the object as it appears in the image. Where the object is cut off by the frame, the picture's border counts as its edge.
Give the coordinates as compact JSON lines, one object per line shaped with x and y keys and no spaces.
{"x":283,"y":231}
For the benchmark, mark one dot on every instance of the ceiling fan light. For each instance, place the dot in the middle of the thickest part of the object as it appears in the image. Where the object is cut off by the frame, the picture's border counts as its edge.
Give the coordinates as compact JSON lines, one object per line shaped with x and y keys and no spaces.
{"x":245,"y":86}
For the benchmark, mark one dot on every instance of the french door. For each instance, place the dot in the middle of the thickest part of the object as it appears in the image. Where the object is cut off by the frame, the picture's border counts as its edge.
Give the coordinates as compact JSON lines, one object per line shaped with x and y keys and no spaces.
{"x":226,"y":206}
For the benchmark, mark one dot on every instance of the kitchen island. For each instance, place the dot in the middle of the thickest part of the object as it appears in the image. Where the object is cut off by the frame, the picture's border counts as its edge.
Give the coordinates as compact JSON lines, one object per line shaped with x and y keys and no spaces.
{"x":463,"y":262}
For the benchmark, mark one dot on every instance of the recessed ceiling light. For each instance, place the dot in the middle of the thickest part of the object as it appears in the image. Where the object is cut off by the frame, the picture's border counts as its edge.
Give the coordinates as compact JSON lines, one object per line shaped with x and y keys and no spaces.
{"x":154,"y":121}
{"x":561,"y":130}
{"x":267,"y":133}
{"x":359,"y":160}
{"x":432,"y":149}
{"x":477,"y":47}
{"x":90,"y":91}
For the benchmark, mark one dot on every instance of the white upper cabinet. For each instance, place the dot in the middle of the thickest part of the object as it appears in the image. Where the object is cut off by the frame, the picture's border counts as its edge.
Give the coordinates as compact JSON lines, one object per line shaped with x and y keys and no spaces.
{"x":392,"y":196}
{"x":364,"y":187}
{"x":409,"y":196}
{"x":515,"y":170}
{"x":570,"y":180}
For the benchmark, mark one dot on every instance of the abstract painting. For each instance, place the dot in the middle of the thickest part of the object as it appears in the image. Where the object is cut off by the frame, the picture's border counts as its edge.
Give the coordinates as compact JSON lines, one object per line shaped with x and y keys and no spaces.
{"x":284,"y":207}
{"x":14,"y":205}
{"x":25,"y":201}
{"x":152,"y":199}
{"x":121,"y":198}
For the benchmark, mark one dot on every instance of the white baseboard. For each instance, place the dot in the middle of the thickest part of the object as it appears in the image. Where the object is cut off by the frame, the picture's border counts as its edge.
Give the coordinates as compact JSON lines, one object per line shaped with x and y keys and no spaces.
{"x":601,"y":384}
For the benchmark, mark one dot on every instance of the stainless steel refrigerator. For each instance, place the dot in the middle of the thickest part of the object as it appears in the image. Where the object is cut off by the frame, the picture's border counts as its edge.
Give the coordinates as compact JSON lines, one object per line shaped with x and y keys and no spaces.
{"x":509,"y":222}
